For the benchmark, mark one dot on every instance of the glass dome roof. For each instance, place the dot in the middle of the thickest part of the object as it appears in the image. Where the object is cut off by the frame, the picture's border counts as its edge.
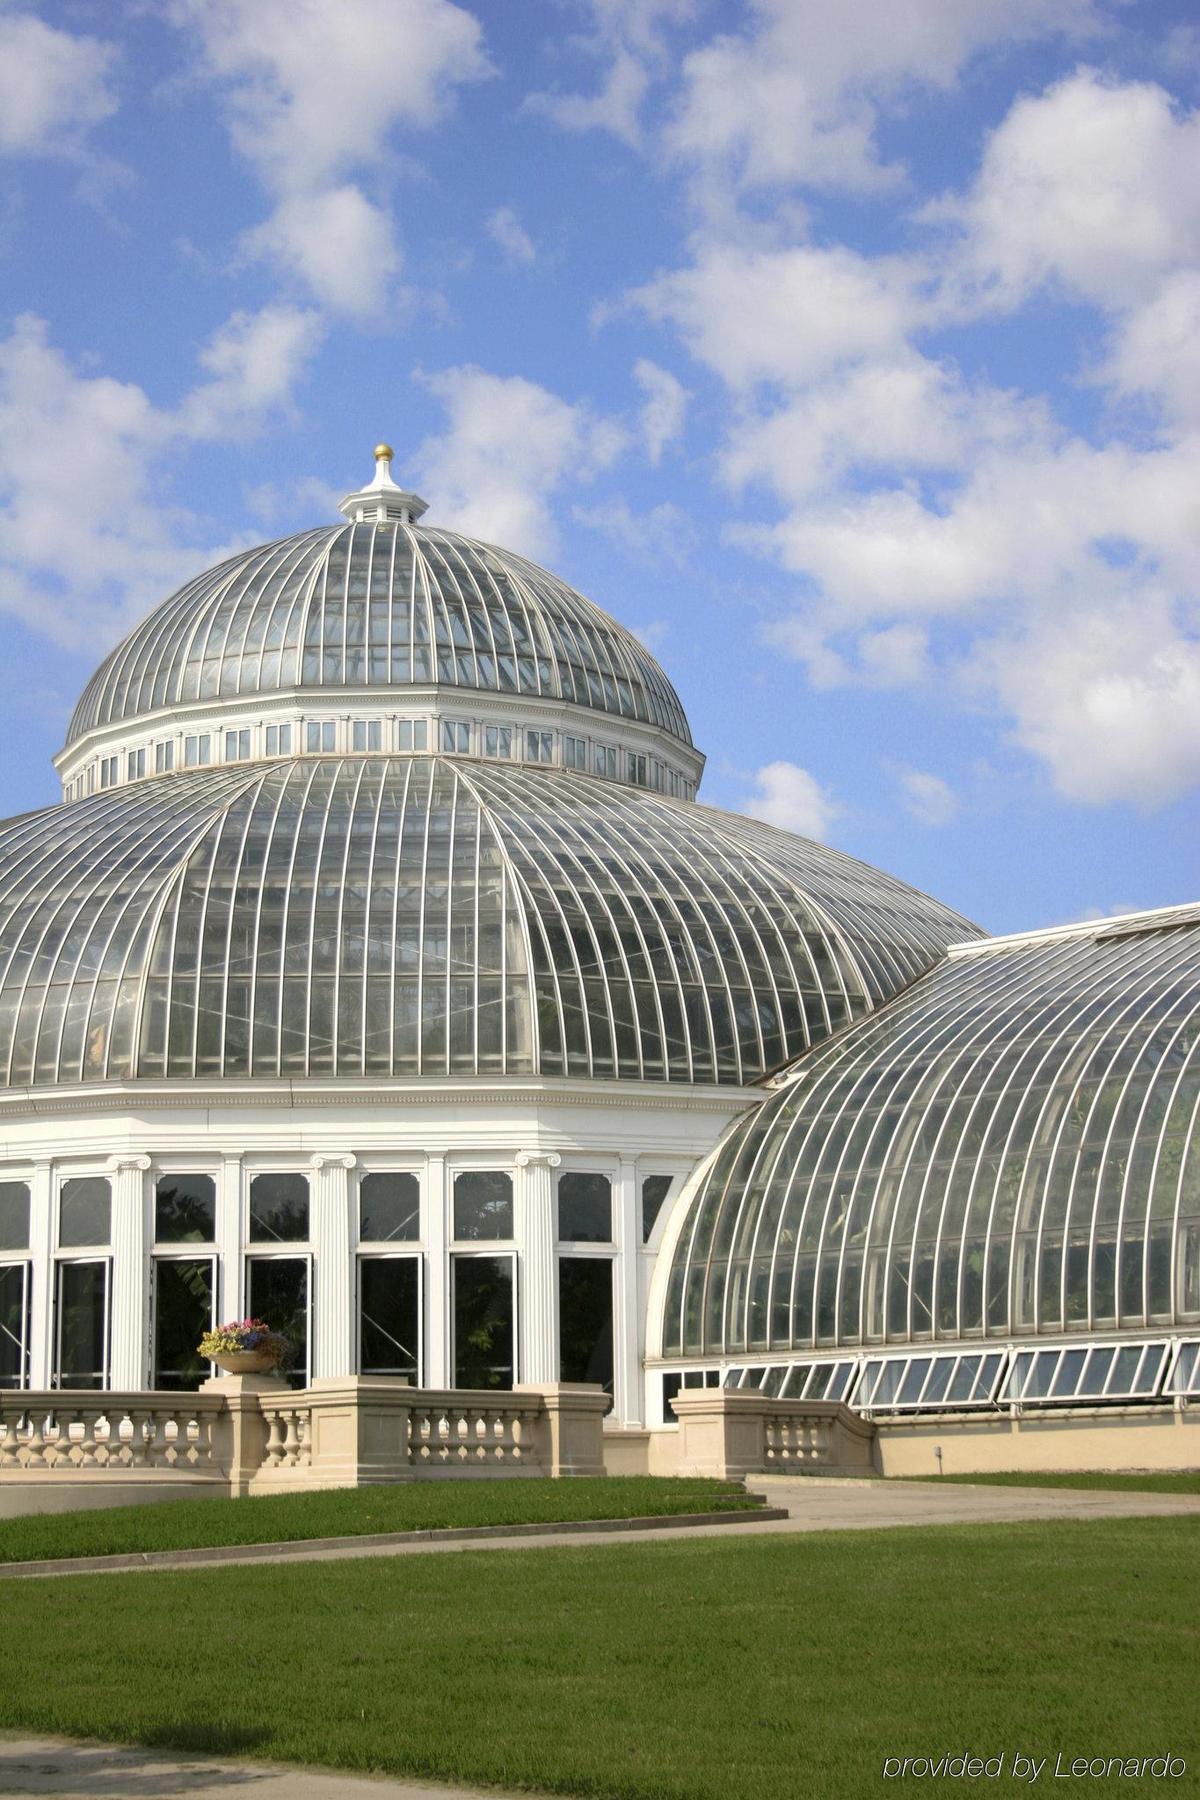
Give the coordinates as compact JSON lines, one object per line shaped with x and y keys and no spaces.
{"x":410,"y":916}
{"x":1012,"y":1146}
{"x":378,"y":603}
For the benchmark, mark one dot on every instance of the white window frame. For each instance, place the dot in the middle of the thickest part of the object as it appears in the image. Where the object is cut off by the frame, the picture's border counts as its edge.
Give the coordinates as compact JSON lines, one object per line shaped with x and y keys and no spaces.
{"x":61,"y":1262}
{"x":385,"y":1252}
{"x":25,"y":1264}
{"x":476,"y":1251}
{"x":197,"y":1252}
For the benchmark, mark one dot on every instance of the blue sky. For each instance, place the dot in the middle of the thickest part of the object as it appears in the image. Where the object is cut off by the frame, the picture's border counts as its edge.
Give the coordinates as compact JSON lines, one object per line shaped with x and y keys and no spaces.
{"x":850,"y":354}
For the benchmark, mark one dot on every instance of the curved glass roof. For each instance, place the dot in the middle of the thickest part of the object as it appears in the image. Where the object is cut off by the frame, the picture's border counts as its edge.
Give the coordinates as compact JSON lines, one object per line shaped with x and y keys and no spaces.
{"x":1009,"y":1147}
{"x":378,"y":605}
{"x":408,"y":916}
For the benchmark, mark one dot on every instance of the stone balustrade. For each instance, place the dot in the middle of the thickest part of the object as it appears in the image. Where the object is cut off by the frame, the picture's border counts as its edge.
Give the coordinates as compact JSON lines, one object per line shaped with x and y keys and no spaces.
{"x":249,"y":1434}
{"x":731,"y":1433}
{"x":106,"y":1432}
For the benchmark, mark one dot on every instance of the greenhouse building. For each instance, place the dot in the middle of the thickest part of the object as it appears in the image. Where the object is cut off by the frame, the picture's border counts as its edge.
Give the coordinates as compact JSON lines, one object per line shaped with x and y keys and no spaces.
{"x":381,"y":975}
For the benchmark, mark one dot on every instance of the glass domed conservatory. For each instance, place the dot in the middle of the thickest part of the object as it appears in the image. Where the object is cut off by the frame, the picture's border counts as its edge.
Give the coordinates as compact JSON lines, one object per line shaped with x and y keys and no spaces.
{"x":380,"y":975}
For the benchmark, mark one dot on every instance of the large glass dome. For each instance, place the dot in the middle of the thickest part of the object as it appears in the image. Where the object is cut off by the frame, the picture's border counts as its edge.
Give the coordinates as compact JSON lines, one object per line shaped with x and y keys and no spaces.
{"x":378,"y":604}
{"x":1012,"y":1147}
{"x":412,"y":916}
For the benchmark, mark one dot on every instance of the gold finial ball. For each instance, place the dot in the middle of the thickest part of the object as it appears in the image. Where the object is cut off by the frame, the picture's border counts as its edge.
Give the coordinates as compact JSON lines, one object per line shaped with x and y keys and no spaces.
{"x":384,"y":453}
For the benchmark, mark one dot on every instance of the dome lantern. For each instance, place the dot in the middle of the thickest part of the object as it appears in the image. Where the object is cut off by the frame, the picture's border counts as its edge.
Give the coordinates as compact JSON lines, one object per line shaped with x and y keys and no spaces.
{"x":381,"y":499}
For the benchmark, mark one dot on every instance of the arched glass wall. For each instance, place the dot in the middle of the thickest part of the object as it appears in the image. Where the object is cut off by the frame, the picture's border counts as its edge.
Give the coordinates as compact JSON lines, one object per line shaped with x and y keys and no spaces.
{"x":1010,"y":1147}
{"x":378,"y":606}
{"x":415,"y":916}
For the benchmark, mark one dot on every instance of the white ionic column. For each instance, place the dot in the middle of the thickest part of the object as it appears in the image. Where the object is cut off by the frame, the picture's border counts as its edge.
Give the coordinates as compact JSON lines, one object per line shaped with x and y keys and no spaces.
{"x":537,"y":1302}
{"x":333,"y":1276}
{"x":130,"y":1273}
{"x":628,"y":1402}
{"x":230,"y":1283}
{"x":435,"y":1230}
{"x":41,"y":1275}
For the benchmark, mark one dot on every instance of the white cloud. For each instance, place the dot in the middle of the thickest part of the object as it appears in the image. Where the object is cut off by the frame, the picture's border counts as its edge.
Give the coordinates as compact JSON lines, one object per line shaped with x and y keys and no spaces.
{"x":1155,"y":349}
{"x":1093,"y":185}
{"x":786,"y":315}
{"x":795,"y":98}
{"x":791,"y":798}
{"x":54,"y":88}
{"x":313,"y":93}
{"x":506,"y":229}
{"x":629,"y":37}
{"x":252,"y":364}
{"x":663,"y":414}
{"x":90,"y":535}
{"x":929,"y":799}
{"x":510,"y":446}
{"x":663,"y":534}
{"x":340,"y":245}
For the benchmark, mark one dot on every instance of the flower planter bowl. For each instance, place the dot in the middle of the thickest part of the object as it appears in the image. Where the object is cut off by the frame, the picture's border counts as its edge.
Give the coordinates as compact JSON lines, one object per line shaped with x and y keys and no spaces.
{"x":246,"y":1362}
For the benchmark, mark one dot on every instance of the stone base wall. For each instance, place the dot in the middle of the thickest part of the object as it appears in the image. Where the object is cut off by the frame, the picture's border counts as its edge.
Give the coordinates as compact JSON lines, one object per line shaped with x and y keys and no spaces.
{"x":1120,"y":1440}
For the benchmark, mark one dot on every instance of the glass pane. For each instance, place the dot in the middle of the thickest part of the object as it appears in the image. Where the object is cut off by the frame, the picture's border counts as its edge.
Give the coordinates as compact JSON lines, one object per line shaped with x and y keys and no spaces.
{"x":914,"y":1381}
{"x":1097,"y":1372}
{"x":14,"y":1324}
{"x":585,"y":1320}
{"x":390,"y":1207}
{"x":1069,"y":1371}
{"x":277,"y":1293}
{"x":84,"y":1211}
{"x":389,"y":1315}
{"x":655,"y":1189}
{"x":483,"y":1208}
{"x":14,"y":1215}
{"x":584,"y":1209}
{"x":82,"y":1335}
{"x":939,"y":1381}
{"x":183,"y":1311}
{"x":964,"y":1378}
{"x":278,"y":1209}
{"x":1125,"y":1368}
{"x":185,"y":1209}
{"x":483,"y":1321}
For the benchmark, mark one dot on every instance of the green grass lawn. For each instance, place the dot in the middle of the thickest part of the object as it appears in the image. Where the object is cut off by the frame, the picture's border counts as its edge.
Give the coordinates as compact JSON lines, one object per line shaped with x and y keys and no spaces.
{"x":707,"y":1669}
{"x":357,"y":1512}
{"x":1187,"y":1482}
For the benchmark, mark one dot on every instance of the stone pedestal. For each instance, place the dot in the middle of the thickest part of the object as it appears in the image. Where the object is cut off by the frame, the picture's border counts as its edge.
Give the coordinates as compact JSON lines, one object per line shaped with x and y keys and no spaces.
{"x":240,"y":1432}
{"x":573,"y":1423}
{"x":358,"y":1430}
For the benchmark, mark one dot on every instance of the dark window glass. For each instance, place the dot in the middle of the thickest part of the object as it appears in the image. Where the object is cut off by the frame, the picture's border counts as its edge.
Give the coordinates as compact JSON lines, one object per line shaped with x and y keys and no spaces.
{"x":277,"y":1293}
{"x":483,"y":1206}
{"x":183,"y":1311}
{"x":82,"y":1325}
{"x":390,"y":1207}
{"x":84,"y":1211}
{"x":585,"y":1320}
{"x":14,"y":1324}
{"x":585,"y":1209}
{"x":389,"y":1315}
{"x":14,"y":1215}
{"x":185,"y":1209}
{"x":655,"y":1189}
{"x":278,"y":1209}
{"x":671,"y":1386}
{"x":483,"y":1321}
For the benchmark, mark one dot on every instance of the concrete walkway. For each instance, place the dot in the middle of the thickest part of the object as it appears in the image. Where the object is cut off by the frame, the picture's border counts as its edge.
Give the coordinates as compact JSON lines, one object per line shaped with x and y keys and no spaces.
{"x":52,"y":1765}
{"x":811,"y":1503}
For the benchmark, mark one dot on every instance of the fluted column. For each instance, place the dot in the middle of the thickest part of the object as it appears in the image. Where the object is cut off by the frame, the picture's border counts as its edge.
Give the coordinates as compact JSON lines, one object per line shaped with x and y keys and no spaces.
{"x":435,"y":1229}
{"x":333,"y":1351}
{"x":537,"y":1306}
{"x":230,"y":1303}
{"x":628,"y":1385}
{"x":41,"y":1298}
{"x":130,"y":1273}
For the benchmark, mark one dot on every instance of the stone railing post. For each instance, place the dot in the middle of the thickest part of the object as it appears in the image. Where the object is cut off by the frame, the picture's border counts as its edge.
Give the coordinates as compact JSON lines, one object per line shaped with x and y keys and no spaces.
{"x":574,"y":1424}
{"x":358,"y":1430}
{"x":333,"y":1348}
{"x":130,"y":1310}
{"x":240,"y":1430}
{"x":538,"y":1306}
